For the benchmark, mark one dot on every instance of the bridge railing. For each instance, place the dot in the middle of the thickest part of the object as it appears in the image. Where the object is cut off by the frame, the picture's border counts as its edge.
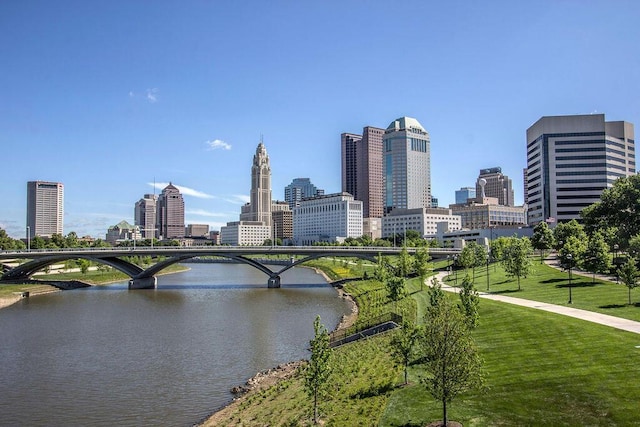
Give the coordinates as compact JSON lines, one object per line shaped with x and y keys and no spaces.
{"x":341,"y":336}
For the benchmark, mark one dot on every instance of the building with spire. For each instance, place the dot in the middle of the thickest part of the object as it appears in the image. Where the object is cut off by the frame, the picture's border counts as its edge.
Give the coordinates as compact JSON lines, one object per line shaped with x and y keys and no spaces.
{"x":254,"y":226}
{"x":170,"y":213}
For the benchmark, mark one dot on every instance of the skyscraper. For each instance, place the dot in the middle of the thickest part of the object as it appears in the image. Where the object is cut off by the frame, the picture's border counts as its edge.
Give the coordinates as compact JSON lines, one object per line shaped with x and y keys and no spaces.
{"x":571,"y":160}
{"x":407,"y":165}
{"x":497,"y":185}
{"x":145,"y":215}
{"x":299,"y":189}
{"x":45,"y":208}
{"x":260,"y":195}
{"x":362,"y":169}
{"x":170,"y":213}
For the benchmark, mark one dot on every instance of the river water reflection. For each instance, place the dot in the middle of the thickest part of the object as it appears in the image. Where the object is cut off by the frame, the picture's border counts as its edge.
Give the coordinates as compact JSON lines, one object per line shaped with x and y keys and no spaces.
{"x":105,"y":356}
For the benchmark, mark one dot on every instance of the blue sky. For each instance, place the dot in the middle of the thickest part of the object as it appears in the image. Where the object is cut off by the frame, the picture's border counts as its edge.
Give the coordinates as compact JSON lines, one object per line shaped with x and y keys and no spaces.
{"x":109,"y":97}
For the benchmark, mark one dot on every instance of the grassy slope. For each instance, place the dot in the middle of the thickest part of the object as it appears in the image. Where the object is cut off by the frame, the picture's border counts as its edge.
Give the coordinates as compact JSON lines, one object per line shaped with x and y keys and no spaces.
{"x":540,"y":368}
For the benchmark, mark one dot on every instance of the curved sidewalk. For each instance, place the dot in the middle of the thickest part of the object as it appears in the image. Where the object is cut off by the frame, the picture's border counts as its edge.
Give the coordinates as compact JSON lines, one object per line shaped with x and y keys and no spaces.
{"x":590,"y":316}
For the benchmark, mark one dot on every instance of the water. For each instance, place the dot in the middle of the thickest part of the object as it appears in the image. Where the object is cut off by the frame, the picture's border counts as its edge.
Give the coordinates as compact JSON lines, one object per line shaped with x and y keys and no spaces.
{"x":105,"y":356}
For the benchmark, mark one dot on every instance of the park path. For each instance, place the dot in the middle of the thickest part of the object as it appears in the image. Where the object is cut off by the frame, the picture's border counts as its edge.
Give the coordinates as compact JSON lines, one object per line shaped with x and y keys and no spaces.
{"x":590,"y":316}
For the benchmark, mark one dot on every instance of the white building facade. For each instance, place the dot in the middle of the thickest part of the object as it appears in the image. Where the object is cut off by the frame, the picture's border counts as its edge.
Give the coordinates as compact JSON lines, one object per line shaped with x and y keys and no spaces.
{"x":245,"y":233}
{"x":423,"y":220}
{"x":328,"y":218}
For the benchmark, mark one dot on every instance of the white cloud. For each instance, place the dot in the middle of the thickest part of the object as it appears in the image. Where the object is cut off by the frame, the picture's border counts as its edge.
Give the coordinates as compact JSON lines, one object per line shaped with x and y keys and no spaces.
{"x":183,"y":190}
{"x":239,"y":199}
{"x":217,"y":143}
{"x":152,"y":95}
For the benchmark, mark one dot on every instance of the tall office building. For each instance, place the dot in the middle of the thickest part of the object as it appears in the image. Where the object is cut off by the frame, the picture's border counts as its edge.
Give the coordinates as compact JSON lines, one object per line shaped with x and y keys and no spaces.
{"x":45,"y":208}
{"x":407,"y":165}
{"x":299,"y":189}
{"x":362,"y":169}
{"x":571,"y":160}
{"x":170,"y":213}
{"x":496,"y":185}
{"x":260,"y":195}
{"x":144,"y":215}
{"x":464,"y":194}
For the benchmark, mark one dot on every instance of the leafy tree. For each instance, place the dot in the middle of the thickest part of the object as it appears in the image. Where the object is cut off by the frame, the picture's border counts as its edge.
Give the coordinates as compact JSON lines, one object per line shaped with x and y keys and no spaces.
{"x":575,"y":246}
{"x":318,"y":369}
{"x":38,"y":243}
{"x":436,"y":294}
{"x":619,"y":207}
{"x":422,"y":265}
{"x":498,"y":247}
{"x":470,"y":302}
{"x":404,"y":264}
{"x":479,"y":258}
{"x":381,"y":272}
{"x":71,"y":240}
{"x":564,"y":230}
{"x":516,"y":260}
{"x":467,"y":257}
{"x":84,"y":265}
{"x":596,"y":257}
{"x":395,"y":287}
{"x":634,"y":247}
{"x":629,"y":275}
{"x":57,"y":241}
{"x":453,"y":364}
{"x":403,"y":344}
{"x":542,"y":239}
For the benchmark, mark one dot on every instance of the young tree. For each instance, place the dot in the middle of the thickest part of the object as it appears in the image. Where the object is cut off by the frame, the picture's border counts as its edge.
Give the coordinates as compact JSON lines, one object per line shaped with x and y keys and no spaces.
{"x":422,"y":265}
{"x":469,"y":301}
{"x":436,"y":294}
{"x":403,"y":344}
{"x":596,"y":257}
{"x":576,"y":247}
{"x":467,"y":257}
{"x":404,"y":264}
{"x":629,"y":275}
{"x":542,"y":239}
{"x":395,"y":288}
{"x":453,"y":364}
{"x":318,"y":369}
{"x":516,"y":260}
{"x":479,"y":258}
{"x":563,"y":231}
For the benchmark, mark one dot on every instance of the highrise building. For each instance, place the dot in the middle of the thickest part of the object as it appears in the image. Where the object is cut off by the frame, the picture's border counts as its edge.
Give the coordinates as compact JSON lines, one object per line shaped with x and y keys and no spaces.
{"x":45,"y":208}
{"x":260,"y":195}
{"x":170,"y":213}
{"x":407,"y":165}
{"x":145,"y":215}
{"x":496,"y":185}
{"x":299,"y":189}
{"x":464,"y":194}
{"x":571,"y":160}
{"x":362,"y":169}
{"x":255,"y":222}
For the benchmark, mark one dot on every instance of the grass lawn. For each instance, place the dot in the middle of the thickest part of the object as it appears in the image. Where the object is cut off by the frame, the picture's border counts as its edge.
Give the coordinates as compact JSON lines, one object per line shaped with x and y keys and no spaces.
{"x":540,"y":369}
{"x":550,"y":285}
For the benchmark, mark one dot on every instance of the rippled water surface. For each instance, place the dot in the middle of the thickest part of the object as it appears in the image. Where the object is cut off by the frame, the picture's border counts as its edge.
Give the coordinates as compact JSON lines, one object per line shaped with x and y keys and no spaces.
{"x":106,"y":356}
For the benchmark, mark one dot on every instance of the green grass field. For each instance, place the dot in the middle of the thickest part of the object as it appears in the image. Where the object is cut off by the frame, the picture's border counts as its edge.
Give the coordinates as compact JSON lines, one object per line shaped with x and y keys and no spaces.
{"x":550,"y":285}
{"x":540,"y":368}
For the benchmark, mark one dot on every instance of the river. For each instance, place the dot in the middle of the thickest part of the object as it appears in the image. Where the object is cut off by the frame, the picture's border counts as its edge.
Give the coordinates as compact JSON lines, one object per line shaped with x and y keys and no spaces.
{"x":105,"y":355}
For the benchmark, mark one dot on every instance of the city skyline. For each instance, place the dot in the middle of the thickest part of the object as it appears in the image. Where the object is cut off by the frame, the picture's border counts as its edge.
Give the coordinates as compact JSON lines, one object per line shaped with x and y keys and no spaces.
{"x":116,"y":100}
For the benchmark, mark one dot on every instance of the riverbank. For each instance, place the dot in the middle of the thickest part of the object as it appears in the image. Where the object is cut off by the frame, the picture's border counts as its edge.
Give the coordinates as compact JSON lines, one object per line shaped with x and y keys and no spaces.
{"x":266,"y":379}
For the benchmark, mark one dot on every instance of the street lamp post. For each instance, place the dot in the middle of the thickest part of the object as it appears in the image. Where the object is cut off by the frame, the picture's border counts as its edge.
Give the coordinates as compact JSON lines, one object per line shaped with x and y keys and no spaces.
{"x":615,"y":261}
{"x":449,"y":266}
{"x":455,"y":260}
{"x":570,"y":258}
{"x":28,"y":238}
{"x":488,"y":258}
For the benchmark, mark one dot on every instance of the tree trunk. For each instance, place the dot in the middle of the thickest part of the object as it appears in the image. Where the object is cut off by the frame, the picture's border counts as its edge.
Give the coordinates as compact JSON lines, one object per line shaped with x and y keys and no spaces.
{"x":315,"y":407}
{"x":444,"y":412}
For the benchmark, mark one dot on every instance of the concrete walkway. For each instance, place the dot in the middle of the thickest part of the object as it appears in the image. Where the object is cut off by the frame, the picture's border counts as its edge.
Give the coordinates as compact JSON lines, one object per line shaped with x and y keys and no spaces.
{"x":590,"y":316}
